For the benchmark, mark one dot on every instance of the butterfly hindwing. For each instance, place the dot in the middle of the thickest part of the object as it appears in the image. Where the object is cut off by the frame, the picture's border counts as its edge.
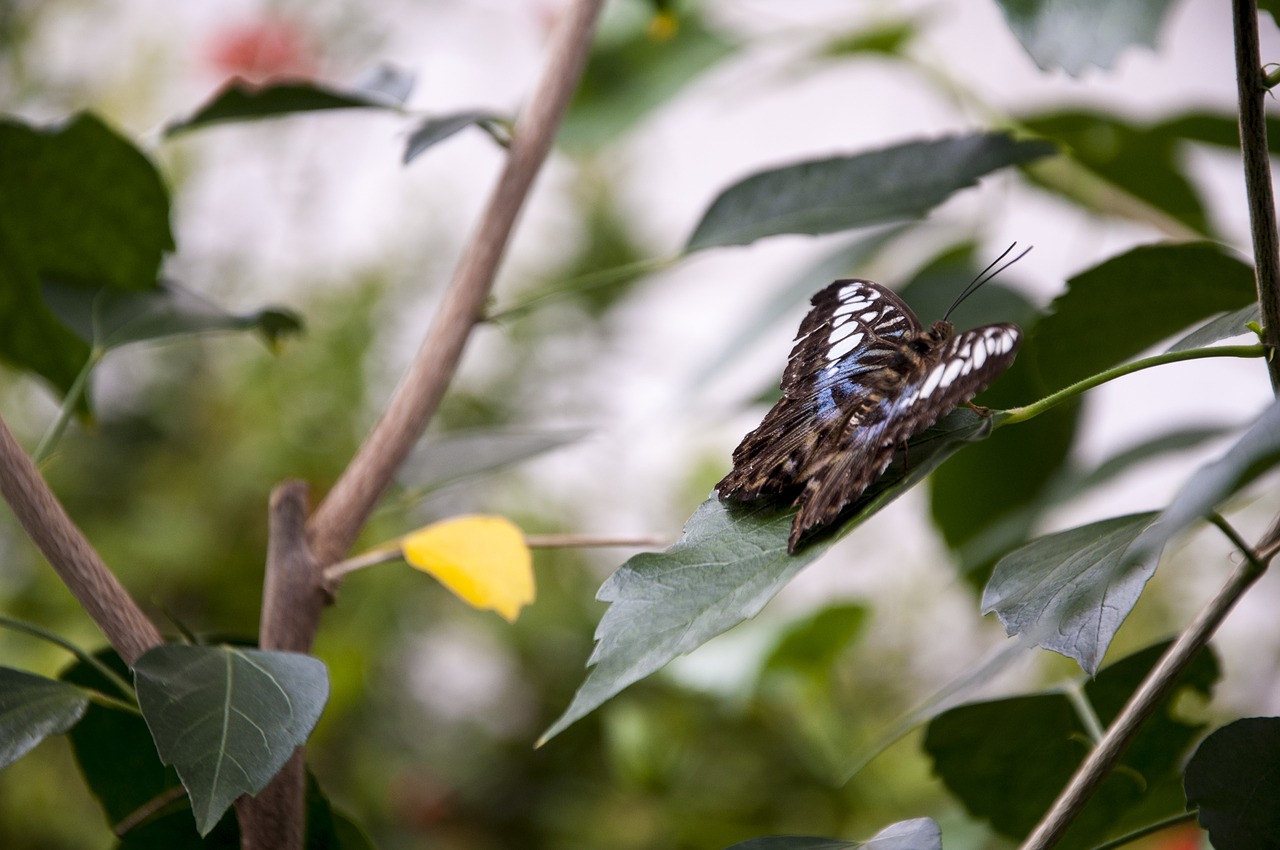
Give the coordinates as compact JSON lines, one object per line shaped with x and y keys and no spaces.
{"x":862,"y":378}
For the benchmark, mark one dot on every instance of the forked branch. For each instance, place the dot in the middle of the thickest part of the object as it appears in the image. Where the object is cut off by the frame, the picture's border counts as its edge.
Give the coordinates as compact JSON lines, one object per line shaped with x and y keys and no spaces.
{"x":344,"y":511}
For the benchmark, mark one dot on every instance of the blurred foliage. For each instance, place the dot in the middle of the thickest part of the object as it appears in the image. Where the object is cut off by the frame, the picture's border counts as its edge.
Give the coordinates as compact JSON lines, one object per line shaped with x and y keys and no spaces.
{"x":433,"y":707}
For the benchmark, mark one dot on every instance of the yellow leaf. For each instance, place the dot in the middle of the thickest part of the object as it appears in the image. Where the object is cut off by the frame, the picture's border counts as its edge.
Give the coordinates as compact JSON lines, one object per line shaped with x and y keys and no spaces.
{"x":483,"y":559}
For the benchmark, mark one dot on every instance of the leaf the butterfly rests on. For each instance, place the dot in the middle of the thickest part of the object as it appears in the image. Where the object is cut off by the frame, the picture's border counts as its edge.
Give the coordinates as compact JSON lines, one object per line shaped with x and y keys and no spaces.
{"x":863,"y":377}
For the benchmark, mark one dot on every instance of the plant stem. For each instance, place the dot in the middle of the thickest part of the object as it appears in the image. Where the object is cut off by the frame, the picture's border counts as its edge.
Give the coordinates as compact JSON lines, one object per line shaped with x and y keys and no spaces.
{"x":344,"y":511}
{"x":1102,"y":759}
{"x":1251,"y":92}
{"x":103,"y":670}
{"x":67,"y":410}
{"x":1030,"y":411}
{"x":1149,"y":829}
{"x":71,"y":555}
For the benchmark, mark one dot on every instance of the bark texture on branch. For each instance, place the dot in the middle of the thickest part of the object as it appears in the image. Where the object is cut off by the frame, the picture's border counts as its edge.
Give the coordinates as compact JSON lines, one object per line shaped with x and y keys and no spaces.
{"x":71,"y":555}
{"x":344,"y":511}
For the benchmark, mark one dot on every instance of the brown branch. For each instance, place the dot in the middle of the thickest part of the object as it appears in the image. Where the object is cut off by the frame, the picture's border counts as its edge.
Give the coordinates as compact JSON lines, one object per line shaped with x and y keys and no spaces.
{"x":1251,"y":91}
{"x":344,"y":511}
{"x":1154,"y":688}
{"x":71,"y":555}
{"x":293,"y":596}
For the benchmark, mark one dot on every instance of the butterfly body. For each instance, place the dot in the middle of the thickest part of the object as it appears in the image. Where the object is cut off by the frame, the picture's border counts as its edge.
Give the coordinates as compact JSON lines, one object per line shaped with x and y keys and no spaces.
{"x":863,"y":377}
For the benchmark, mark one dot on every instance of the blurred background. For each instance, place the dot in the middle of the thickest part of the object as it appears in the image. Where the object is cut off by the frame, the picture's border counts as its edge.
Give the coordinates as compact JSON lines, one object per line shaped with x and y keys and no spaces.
{"x":620,"y":393}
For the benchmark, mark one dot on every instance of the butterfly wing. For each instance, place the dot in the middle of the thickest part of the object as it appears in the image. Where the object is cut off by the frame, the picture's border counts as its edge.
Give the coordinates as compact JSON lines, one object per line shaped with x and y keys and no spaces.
{"x":954,"y":371}
{"x":853,"y":329}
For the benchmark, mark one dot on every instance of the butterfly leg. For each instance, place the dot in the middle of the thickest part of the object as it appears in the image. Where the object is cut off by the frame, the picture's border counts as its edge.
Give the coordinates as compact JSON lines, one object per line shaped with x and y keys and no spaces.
{"x":978,"y":409}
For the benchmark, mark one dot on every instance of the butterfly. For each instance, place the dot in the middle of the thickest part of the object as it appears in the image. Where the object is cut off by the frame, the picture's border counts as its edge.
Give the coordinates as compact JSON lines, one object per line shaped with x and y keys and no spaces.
{"x":864,"y":376}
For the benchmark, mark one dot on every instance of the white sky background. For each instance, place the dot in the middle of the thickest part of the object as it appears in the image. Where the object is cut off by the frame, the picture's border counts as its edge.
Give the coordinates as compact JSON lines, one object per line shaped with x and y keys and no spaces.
{"x":269,"y":212}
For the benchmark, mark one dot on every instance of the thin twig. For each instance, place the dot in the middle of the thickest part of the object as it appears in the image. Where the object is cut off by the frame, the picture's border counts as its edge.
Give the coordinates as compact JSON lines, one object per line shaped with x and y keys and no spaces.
{"x":344,"y":511}
{"x":1251,"y":92}
{"x":71,"y":555}
{"x":1158,"y":683}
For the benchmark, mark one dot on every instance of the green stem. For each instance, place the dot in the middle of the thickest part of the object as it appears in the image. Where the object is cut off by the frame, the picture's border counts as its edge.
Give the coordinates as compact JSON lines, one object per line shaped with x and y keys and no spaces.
{"x":1234,"y":536}
{"x":1084,"y":709}
{"x":1149,"y":829}
{"x":68,"y":409}
{"x":105,"y":671}
{"x":1030,"y":411}
{"x":594,"y":280}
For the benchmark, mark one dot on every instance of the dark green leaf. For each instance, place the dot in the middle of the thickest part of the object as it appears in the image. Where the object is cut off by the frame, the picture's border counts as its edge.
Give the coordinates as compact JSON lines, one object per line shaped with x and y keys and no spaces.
{"x":729,"y":562}
{"x":1074,"y":34}
{"x":1271,"y":7}
{"x":32,"y":708}
{"x":825,"y":196}
{"x":440,"y":127}
{"x":1070,"y":591}
{"x":116,"y":753}
{"x":109,"y":319}
{"x":634,"y":68}
{"x":1133,"y":301}
{"x":1007,"y":760}
{"x":80,"y":205}
{"x":1256,"y":452}
{"x":228,"y":719}
{"x":241,"y":100}
{"x":917,"y":834}
{"x":1234,"y":779}
{"x":1223,"y":327}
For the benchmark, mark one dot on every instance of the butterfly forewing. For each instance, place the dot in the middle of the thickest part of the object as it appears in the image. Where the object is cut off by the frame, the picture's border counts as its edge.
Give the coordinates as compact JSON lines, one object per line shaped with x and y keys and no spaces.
{"x":863,"y":377}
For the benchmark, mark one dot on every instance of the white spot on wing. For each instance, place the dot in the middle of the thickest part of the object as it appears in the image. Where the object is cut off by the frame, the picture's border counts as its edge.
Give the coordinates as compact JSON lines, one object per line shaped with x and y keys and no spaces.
{"x":869,"y":316}
{"x":931,"y":383}
{"x":953,"y":369}
{"x":851,"y":307}
{"x":979,"y":356}
{"x":843,"y":347}
{"x":838,"y":334}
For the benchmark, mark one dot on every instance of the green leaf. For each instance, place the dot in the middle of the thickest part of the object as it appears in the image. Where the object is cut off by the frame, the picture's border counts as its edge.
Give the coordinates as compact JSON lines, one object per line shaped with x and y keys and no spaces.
{"x":228,"y":719}
{"x":1074,"y":34}
{"x":436,"y":129}
{"x":729,"y":562}
{"x":811,"y":646}
{"x":825,"y":196}
{"x":916,"y":834}
{"x":1232,"y":779}
{"x":108,"y":319}
{"x":32,"y":708}
{"x":1007,"y":760}
{"x":116,"y":753}
{"x":1271,"y":7}
{"x":887,"y":38}
{"x":83,"y":206}
{"x":1223,"y":327}
{"x":634,"y":69}
{"x":1070,"y":591}
{"x":1256,"y":452}
{"x":1131,"y":302}
{"x":241,"y":100}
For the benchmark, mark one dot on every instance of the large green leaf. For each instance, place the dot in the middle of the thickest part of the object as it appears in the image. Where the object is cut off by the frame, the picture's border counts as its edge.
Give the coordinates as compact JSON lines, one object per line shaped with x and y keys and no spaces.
{"x":227,"y":719}
{"x":80,"y":205}
{"x":1234,"y":780}
{"x":636,"y":66}
{"x":730,"y":561}
{"x":1070,"y":591}
{"x":1255,"y":453}
{"x":116,"y":753}
{"x":1234,"y":323}
{"x":1131,"y":302}
{"x":32,"y":708}
{"x":1074,"y":34}
{"x":1007,"y":760}
{"x":241,"y":100}
{"x":896,"y":183}
{"x":916,"y":834}
{"x":108,"y":319}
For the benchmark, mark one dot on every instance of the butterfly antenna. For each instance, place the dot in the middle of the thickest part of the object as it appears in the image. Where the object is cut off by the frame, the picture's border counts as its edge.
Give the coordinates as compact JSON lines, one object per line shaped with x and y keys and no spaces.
{"x":986,"y":275}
